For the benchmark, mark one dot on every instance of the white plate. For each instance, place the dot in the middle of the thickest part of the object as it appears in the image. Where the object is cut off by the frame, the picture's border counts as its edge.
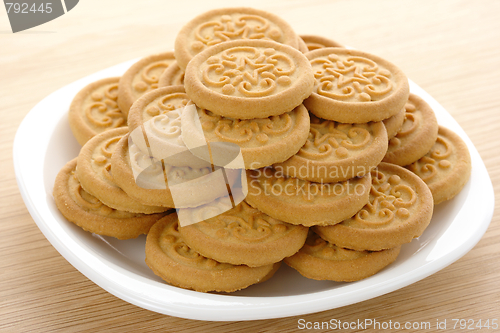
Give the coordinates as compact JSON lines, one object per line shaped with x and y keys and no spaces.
{"x":44,"y":143}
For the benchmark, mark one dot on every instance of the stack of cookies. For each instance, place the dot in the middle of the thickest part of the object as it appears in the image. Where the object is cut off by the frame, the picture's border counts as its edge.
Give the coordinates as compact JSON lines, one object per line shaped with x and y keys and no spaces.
{"x":270,"y":146}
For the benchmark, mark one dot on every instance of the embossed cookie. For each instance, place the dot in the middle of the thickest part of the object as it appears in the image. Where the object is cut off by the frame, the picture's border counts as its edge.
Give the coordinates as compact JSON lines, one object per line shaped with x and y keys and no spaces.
{"x":446,"y":168}
{"x":248,"y":79}
{"x":336,"y":152}
{"x":94,"y":173}
{"x":87,"y":212}
{"x":179,"y":265}
{"x":399,"y":210}
{"x":243,"y":235}
{"x":141,"y":77}
{"x":298,"y":201}
{"x":417,"y":135}
{"x":314,"y":42}
{"x":262,"y":141}
{"x":394,"y":123}
{"x":226,"y":24}
{"x":172,"y":76}
{"x":95,"y":110}
{"x":355,"y":87}
{"x":321,"y":260}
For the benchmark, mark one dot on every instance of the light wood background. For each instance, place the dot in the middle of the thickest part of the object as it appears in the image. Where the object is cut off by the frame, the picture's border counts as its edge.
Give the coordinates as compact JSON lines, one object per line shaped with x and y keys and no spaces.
{"x":450,"y":48}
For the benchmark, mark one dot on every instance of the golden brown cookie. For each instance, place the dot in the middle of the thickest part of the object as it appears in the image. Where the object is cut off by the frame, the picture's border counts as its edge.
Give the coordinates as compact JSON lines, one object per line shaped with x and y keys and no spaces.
{"x":417,"y":135}
{"x":94,"y":172}
{"x":87,"y":212}
{"x":446,"y":168}
{"x":321,"y":260}
{"x":314,"y":42}
{"x":247,"y":79}
{"x":336,"y":152}
{"x":355,"y":87}
{"x":399,"y":210}
{"x":302,"y":46}
{"x":226,"y":24}
{"x":179,"y":265}
{"x":243,"y":236}
{"x":141,"y":78}
{"x":95,"y":110}
{"x":172,"y":76}
{"x":299,"y":201}
{"x":394,"y":123}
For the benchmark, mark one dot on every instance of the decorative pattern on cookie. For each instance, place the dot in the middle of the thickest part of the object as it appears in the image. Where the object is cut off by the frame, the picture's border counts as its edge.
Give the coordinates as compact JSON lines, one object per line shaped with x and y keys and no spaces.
{"x":243,"y":235}
{"x":179,"y":265}
{"x":172,"y":76}
{"x":94,"y":172}
{"x":399,"y":210}
{"x":89,"y":213}
{"x":142,"y":77}
{"x":321,"y":260}
{"x":394,"y":124}
{"x":222,"y":25}
{"x":314,"y":42}
{"x":446,"y":168}
{"x":417,"y":135}
{"x":95,"y":110}
{"x":249,"y":79}
{"x":262,"y":141}
{"x":298,"y":201}
{"x":355,"y":87}
{"x":336,"y":152}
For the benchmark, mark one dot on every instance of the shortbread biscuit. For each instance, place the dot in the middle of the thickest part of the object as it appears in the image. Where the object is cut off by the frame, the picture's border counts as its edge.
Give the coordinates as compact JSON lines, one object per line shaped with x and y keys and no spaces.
{"x":446,"y":168}
{"x":302,"y":46}
{"x":243,"y":236}
{"x":226,"y":24}
{"x":394,"y":123}
{"x":94,"y":173}
{"x":87,"y":212}
{"x":179,"y":265}
{"x":336,"y":152}
{"x":95,"y":110}
{"x":142,"y":77}
{"x":399,"y":210}
{"x":172,"y":76}
{"x":417,"y":135}
{"x":262,"y":141}
{"x":314,"y":42}
{"x":248,"y":79}
{"x":321,"y":260}
{"x":299,"y":201}
{"x":355,"y":87}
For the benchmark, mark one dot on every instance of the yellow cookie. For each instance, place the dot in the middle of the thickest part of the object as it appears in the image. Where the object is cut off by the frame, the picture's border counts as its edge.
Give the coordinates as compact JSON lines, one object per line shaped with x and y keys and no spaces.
{"x":314,"y":42}
{"x":173,"y":76}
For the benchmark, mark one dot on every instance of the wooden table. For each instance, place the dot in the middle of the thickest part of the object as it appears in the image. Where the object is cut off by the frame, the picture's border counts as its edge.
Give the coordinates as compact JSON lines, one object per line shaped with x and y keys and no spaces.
{"x":450,"y":48}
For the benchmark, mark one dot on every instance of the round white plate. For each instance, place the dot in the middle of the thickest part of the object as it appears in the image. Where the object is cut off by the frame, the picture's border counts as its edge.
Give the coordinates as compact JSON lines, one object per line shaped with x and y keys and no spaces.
{"x":44,"y":143}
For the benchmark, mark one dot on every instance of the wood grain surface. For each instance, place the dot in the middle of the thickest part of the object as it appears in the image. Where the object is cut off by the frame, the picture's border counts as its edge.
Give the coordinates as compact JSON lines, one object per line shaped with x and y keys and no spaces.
{"x":450,"y":48}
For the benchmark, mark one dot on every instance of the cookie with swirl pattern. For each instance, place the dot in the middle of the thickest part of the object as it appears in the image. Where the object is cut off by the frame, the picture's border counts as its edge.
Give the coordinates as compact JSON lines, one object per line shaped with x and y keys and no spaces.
{"x":355,"y":87}
{"x":321,"y":260}
{"x":394,"y":124}
{"x":416,"y":136}
{"x":446,"y":168}
{"x":227,"y":24}
{"x":142,"y":77}
{"x":242,"y":235}
{"x":399,"y":210}
{"x":175,"y":262}
{"x":298,"y":201}
{"x":172,"y":76}
{"x":336,"y":152}
{"x":247,"y":79}
{"x":95,"y":110}
{"x":314,"y":42}
{"x":89,"y":213}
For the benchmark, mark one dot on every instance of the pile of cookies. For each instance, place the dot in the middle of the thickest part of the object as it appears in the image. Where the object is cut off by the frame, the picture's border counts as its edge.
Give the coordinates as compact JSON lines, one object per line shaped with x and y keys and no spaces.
{"x":270,"y":146}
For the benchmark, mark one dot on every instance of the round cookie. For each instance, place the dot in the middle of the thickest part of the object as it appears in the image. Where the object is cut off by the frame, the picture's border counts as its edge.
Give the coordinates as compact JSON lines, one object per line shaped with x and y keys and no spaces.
{"x":226,"y":24}
{"x":243,"y":236}
{"x":417,"y":135}
{"x":172,"y":260}
{"x":86,"y":211}
{"x":172,"y":76}
{"x":355,"y":87}
{"x":302,"y":45}
{"x":314,"y":42}
{"x":142,"y":77}
{"x":446,"y":168}
{"x":298,"y":201}
{"x":94,"y":173}
{"x":247,"y":79}
{"x":95,"y":110}
{"x":394,"y":123}
{"x":336,"y":152}
{"x":399,"y":210}
{"x":321,"y":260}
